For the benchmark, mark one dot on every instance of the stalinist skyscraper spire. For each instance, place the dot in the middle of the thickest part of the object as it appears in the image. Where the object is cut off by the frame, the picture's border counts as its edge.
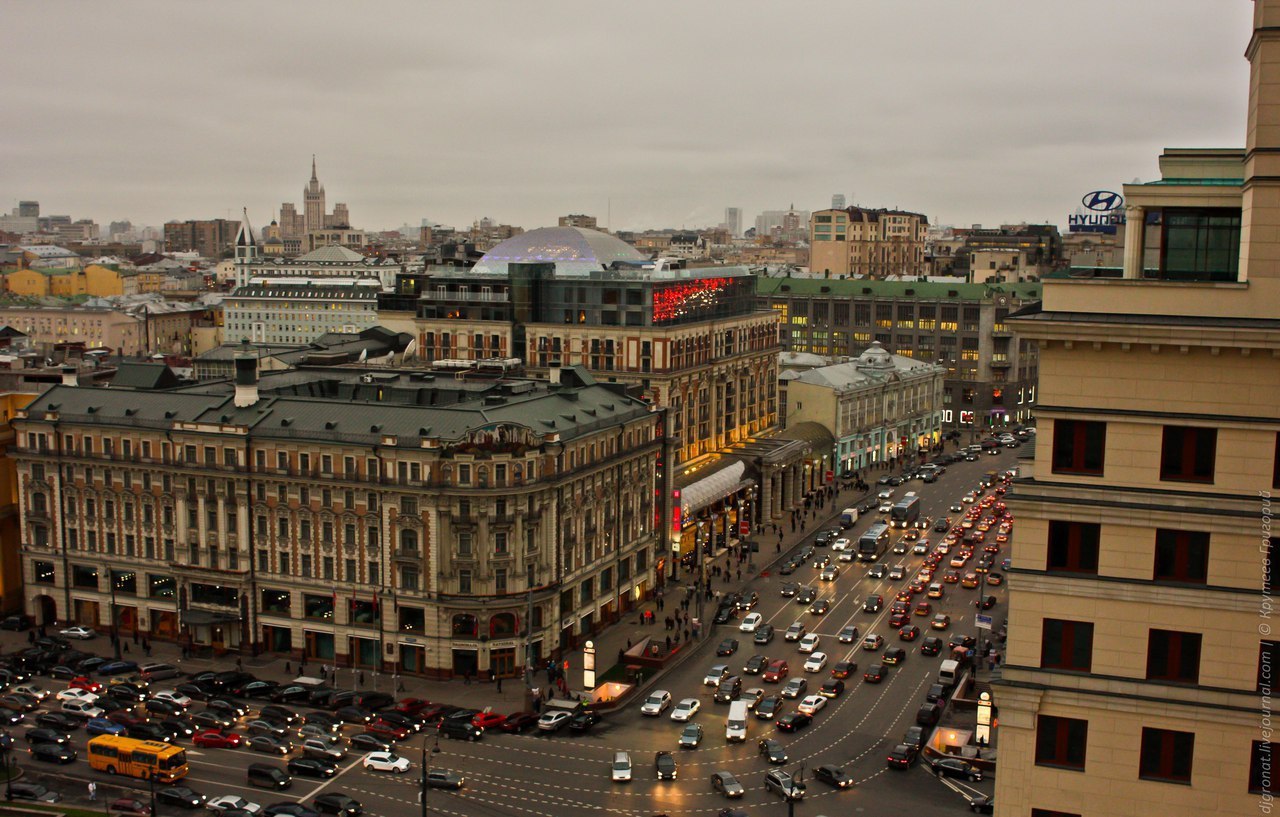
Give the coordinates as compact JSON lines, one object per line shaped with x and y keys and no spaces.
{"x":313,"y":209}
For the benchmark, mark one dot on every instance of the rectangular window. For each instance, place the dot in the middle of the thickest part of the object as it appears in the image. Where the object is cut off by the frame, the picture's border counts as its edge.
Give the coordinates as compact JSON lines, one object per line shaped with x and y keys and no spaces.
{"x":1262,"y":768}
{"x":1187,"y":453}
{"x":43,"y":572}
{"x":1166,"y":755}
{"x":1061,"y":742}
{"x":1173,"y":656}
{"x":304,"y":566}
{"x":84,"y":577}
{"x":586,"y":593}
{"x":1200,"y":244}
{"x":500,"y":581}
{"x":464,"y":582}
{"x":1066,"y":645}
{"x":1182,"y":556}
{"x":1078,"y":447}
{"x":1073,"y":547}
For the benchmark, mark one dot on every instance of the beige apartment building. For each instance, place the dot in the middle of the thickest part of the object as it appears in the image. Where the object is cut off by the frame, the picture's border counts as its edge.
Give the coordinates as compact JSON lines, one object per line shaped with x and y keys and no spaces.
{"x":1141,"y":655}
{"x":865,"y":242}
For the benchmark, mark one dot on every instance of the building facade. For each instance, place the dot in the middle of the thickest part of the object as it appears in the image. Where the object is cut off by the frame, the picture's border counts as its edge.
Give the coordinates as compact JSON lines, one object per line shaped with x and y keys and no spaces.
{"x":442,"y":536}
{"x":209,"y":238}
{"x":991,"y":376}
{"x":1141,"y":663}
{"x":867,"y":243}
{"x":325,"y":262}
{"x":293,"y":311}
{"x":878,"y":407}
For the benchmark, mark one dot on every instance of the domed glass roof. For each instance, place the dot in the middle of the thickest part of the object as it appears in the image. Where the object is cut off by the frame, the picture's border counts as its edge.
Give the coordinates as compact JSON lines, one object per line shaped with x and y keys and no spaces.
{"x":574,"y":251}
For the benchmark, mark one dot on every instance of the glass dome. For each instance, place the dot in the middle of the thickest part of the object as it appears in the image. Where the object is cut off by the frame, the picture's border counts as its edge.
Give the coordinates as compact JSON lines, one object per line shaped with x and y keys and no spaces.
{"x":574,"y":251}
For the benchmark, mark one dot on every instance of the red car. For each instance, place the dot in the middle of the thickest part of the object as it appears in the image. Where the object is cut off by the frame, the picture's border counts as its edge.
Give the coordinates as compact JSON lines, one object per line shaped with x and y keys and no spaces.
{"x":900,"y":607}
{"x":924,"y":608}
{"x":412,"y":706}
{"x":126,"y":717}
{"x":384,"y":729}
{"x":81,"y":682}
{"x":519,"y":722}
{"x":213,"y":739}
{"x":489,"y":720}
{"x":909,"y":633}
{"x":776,"y":671}
{"x":899,"y":619}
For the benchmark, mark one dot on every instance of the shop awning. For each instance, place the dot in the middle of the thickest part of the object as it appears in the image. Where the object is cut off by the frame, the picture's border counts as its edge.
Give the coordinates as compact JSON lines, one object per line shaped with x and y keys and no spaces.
{"x":711,"y":484}
{"x":196,"y":618}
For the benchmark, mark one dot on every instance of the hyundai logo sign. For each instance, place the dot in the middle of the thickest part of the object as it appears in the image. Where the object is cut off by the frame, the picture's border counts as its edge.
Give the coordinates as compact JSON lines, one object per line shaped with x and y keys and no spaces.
{"x":1103,"y":201}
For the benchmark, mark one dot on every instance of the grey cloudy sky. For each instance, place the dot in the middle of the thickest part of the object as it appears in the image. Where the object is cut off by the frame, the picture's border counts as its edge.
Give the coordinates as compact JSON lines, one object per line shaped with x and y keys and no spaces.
{"x":981,"y":111}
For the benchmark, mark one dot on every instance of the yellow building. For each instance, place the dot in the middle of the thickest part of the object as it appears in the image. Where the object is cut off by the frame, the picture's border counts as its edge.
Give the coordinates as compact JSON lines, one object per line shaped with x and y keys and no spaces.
{"x":102,"y":281}
{"x":866,"y":242}
{"x":1141,"y":657}
{"x":30,"y":283}
{"x":10,"y":544}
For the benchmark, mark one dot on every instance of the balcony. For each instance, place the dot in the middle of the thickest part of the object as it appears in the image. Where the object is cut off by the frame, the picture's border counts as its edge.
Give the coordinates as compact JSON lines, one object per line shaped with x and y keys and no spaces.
{"x":1001,"y":364}
{"x":408,"y":554}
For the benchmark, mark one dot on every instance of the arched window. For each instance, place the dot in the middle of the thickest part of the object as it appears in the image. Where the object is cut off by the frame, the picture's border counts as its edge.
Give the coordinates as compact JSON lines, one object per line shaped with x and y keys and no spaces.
{"x":502,"y":625}
{"x":465,"y":625}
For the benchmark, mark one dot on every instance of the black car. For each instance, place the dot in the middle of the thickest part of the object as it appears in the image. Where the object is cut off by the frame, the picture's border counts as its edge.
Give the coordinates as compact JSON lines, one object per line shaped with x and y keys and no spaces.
{"x":727,"y":647}
{"x":270,"y":745}
{"x":277,"y":713}
{"x":148,"y":731}
{"x":63,"y":672}
{"x":793,"y":722}
{"x":961,"y":640}
{"x":10,"y":717}
{"x":583,"y":719}
{"x":763,"y":634}
{"x":290,"y":694}
{"x":773,"y":751}
{"x":788,"y":568}
{"x":289,"y":810}
{"x":806,"y":595}
{"x":833,"y":776}
{"x":129,"y":692}
{"x":180,"y":796}
{"x":937,"y":694}
{"x":931,"y":646}
{"x":18,"y":623}
{"x":197,"y":691}
{"x":34,"y":792}
{"x":337,"y":803}
{"x":755,"y":665}
{"x":321,"y":696}
{"x":311,"y":767}
{"x":724,"y":613}
{"x":902,"y":756}
{"x":90,"y":664}
{"x":400,"y":719}
{"x":354,"y":714}
{"x":366,"y":742}
{"x":231,"y":708}
{"x":52,"y":753}
{"x":873,"y":604}
{"x":769,"y":707}
{"x":831,"y":688}
{"x":262,"y":726}
{"x":375,"y":700}
{"x":914,"y":737}
{"x":43,"y":735}
{"x":260,"y":690}
{"x":59,"y":721}
{"x":212,"y":719}
{"x":928,"y":715}
{"x":942,"y":524}
{"x":322,"y":719}
{"x":955,"y":767}
{"x":665,"y":766}
{"x":180,"y":727}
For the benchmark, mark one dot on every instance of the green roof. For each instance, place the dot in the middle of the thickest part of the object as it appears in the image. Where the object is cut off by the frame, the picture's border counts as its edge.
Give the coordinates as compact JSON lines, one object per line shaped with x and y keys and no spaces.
{"x":1192,"y":182}
{"x":851,"y":287}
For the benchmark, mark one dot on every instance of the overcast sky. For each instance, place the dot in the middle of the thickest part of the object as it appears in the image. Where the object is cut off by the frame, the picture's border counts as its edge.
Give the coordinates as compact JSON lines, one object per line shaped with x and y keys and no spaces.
{"x":660,"y":113}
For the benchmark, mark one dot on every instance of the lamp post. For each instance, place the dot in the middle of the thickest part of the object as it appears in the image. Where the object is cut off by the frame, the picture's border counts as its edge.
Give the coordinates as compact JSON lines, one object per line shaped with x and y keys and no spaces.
{"x":702,"y":567}
{"x":151,"y":785}
{"x":115,"y":631}
{"x":6,"y":747}
{"x":426,"y":764}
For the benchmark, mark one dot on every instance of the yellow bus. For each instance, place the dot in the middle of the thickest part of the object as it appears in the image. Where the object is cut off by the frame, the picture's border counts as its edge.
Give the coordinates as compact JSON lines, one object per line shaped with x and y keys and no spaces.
{"x":116,"y":754}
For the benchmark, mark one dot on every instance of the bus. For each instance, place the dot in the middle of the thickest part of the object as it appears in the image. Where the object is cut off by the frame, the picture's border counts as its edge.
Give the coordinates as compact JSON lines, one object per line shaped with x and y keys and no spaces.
{"x":906,"y":512}
{"x":144,"y":759}
{"x":873,"y":542}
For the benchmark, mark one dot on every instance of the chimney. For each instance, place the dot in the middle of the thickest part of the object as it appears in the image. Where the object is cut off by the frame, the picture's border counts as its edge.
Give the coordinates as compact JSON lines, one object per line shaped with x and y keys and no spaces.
{"x":70,"y":375}
{"x":246,"y":377}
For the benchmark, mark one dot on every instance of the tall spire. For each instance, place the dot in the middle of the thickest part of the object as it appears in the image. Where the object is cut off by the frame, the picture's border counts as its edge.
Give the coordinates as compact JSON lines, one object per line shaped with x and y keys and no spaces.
{"x":313,"y":168}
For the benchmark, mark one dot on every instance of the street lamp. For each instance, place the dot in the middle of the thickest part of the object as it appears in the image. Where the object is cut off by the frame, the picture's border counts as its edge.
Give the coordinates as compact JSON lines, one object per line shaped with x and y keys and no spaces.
{"x":702,"y":566}
{"x":115,"y":631}
{"x":6,"y":747}
{"x":435,"y":750}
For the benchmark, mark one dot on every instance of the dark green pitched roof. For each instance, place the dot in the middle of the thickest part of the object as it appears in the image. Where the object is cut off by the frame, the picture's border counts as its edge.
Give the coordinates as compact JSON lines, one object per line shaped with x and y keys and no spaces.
{"x":853,"y":287}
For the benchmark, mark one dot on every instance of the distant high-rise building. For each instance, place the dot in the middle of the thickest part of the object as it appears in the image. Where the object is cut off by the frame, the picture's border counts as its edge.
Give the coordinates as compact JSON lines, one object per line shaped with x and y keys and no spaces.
{"x":837,"y":201}
{"x":733,"y":221}
{"x":295,"y":227}
{"x":210,"y":238}
{"x":576,"y":220}
{"x":291,"y":222}
{"x":313,"y":202}
{"x":774,"y":223}
{"x":28,"y":209}
{"x":867,"y":242}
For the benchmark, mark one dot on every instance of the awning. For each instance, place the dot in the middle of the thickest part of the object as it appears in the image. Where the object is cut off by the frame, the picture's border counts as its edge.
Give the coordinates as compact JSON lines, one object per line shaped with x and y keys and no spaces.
{"x":711,"y":484}
{"x":816,"y":435}
{"x":196,"y":618}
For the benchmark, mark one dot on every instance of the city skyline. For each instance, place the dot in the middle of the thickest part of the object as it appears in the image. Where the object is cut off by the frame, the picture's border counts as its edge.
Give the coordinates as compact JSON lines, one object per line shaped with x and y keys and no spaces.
{"x":967,"y":119}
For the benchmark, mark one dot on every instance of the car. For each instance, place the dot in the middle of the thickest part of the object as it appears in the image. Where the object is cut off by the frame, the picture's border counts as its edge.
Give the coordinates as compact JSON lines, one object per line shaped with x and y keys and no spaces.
{"x":806,"y":595}
{"x":763,"y":634}
{"x":956,"y":507}
{"x":173,"y":697}
{"x":117,"y":667}
{"x":788,"y":589}
{"x":261,"y":726}
{"x":788,"y":568}
{"x":52,"y":753}
{"x":772,"y":751}
{"x":843,"y":669}
{"x":921,"y":547}
{"x":795,"y":632}
{"x":928,"y":714}
{"x":726,"y":785}
{"x":937,"y":693}
{"x":985,"y":603}
{"x":897,"y":572}
{"x":445,"y":779}
{"x":931,"y":645}
{"x":769,"y":707}
{"x":365,"y":742}
{"x":289,"y":810}
{"x":715,"y":675}
{"x":848,"y":634}
{"x":872,"y":642}
{"x":727,"y":646}
{"x":33,"y":792}
{"x":128,"y":807}
{"x":875,"y":674}
{"x":385,"y":762}
{"x":961,"y":640}
{"x":833,"y":776}
{"x":795,"y":688}
{"x":213,"y":720}
{"x":328,"y":747}
{"x":73,"y":694}
{"x":724,"y":613}
{"x":755,"y":665}
{"x":750,"y":622}
{"x":393,"y":731}
{"x":31,"y":691}
{"x":940,"y":622}
{"x":878,"y":571}
{"x":903,"y":756}
{"x":519,"y":722}
{"x":899,"y":619}
{"x":102,"y":726}
{"x":969,"y":581}
{"x":62,"y":721}
{"x":583,"y":720}
{"x":894,"y":655}
{"x":820,"y":607}
{"x":45,"y":735}
{"x":180,"y":796}
{"x":747,"y":601}
{"x":231,"y":803}
{"x":270,"y":744}
{"x":655,"y":704}
{"x":664,"y":766}
{"x":915,"y":737}
{"x":311,"y":767}
{"x":811,"y":704}
{"x":873,"y":604}
{"x":686,"y":709}
{"x":17,"y":702}
{"x":553,"y":721}
{"x":775,"y":672}
{"x":936,"y":591}
{"x":337,"y":803}
{"x":909,"y":633}
{"x":816,"y":662}
{"x":784,"y":785}
{"x":691,"y":736}
{"x":955,"y":767}
{"x":78,"y":632}
{"x":794,"y":721}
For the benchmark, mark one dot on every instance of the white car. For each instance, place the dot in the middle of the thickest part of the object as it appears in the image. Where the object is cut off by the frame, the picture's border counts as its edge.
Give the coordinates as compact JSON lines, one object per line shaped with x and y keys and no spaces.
{"x":173,"y":697}
{"x":34,"y":690}
{"x":82,"y":709}
{"x":715,"y":675}
{"x":386,"y":762}
{"x":656,"y":703}
{"x":872,"y":642}
{"x":840,"y":545}
{"x":686,"y":709}
{"x":811,"y":705}
{"x":229,"y":802}
{"x":82,"y":695}
{"x":885,"y":507}
{"x":552,"y":721}
{"x":897,"y":572}
{"x":809,"y":643}
{"x":815,"y":662}
{"x":750,"y":622}
{"x":83,"y":633}
{"x":921,"y":547}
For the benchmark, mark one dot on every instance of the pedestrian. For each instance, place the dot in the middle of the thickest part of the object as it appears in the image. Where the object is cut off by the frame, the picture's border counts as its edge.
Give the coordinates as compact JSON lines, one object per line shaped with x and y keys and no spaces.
{"x":686,"y":634}
{"x":668,"y":643}
{"x":466,"y":677}
{"x":778,"y":548}
{"x":628,"y":643}
{"x":661,"y":603}
{"x":362,"y":678}
{"x":126,"y":648}
{"x":31,"y":636}
{"x":135,"y":636}
{"x":93,"y":792}
{"x":499,"y":683}
{"x":146,"y":648}
{"x":239,"y":664}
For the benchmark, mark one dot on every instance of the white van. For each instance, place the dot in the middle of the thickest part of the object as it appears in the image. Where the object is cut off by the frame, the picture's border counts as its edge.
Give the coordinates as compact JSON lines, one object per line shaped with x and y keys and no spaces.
{"x":622,"y":767}
{"x":735,"y":726}
{"x":948,"y":672}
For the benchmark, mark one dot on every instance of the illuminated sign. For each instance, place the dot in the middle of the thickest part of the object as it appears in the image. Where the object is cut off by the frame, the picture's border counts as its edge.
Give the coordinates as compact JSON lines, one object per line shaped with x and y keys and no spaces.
{"x":686,"y":299}
{"x":1104,"y":216}
{"x":966,"y":418}
{"x":675,"y":511}
{"x":947,"y":415}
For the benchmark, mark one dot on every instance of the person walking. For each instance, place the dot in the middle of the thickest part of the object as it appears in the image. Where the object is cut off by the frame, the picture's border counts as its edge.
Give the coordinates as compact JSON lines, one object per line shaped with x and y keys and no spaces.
{"x":93,"y":792}
{"x":499,"y":682}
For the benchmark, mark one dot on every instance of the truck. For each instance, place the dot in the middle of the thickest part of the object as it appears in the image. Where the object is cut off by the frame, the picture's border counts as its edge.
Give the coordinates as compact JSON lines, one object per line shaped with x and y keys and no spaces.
{"x":906,"y":512}
{"x":848,"y":517}
{"x":873,"y":542}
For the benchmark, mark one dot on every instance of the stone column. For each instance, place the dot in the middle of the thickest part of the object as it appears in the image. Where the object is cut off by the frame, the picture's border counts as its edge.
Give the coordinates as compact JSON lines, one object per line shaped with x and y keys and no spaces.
{"x":1135,"y":239}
